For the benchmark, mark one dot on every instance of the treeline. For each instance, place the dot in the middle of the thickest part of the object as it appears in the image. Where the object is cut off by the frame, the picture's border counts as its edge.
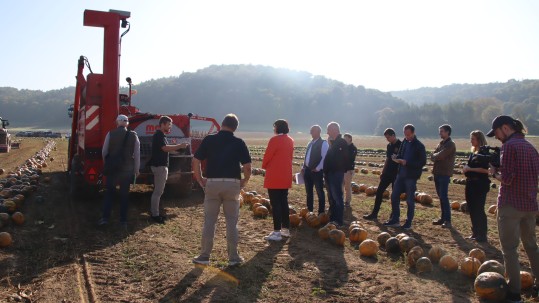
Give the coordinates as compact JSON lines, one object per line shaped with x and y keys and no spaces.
{"x":260,"y":95}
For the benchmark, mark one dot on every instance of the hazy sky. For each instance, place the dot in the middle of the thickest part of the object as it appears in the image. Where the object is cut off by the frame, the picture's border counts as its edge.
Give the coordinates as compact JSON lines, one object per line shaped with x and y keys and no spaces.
{"x":386,"y":45}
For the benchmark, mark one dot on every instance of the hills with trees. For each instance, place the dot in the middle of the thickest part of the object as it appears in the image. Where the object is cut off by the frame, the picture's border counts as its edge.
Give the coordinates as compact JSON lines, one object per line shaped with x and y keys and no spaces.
{"x":259,"y":95}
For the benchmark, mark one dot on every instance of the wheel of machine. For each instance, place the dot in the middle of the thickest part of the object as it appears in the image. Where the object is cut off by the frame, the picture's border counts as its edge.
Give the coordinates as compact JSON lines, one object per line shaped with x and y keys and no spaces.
{"x":180,"y":189}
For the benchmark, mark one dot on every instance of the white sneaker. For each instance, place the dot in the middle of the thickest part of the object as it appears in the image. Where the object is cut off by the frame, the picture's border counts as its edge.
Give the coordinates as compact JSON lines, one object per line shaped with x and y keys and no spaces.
{"x":285,"y":233}
{"x":274,"y":236}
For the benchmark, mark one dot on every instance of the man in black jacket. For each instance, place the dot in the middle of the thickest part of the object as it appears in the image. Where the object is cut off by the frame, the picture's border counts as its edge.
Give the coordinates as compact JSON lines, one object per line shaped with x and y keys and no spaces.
{"x":411,"y":159}
{"x":335,"y":165}
{"x":389,"y":174}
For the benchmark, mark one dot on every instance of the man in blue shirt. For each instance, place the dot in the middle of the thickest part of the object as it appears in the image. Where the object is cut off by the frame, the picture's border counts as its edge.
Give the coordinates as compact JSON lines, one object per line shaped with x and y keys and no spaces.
{"x":411,"y":159}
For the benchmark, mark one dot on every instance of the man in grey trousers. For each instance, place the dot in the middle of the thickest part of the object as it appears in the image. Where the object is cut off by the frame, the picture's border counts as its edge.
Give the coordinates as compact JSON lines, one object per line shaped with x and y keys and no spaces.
{"x":222,"y":183}
{"x":159,"y":164}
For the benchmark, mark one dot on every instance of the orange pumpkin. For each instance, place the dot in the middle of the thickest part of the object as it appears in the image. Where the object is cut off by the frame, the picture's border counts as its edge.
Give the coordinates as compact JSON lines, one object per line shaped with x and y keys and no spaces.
{"x":312,"y":220}
{"x":423,"y":265}
{"x":491,"y":266}
{"x":303,"y":212}
{"x":382,"y":238}
{"x":368,"y":248}
{"x":402,"y":196}
{"x":425,"y":199}
{"x":353,"y":225}
{"x":261,"y":212}
{"x":455,"y":205}
{"x":5,"y":239}
{"x":358,"y":235}
{"x":337,"y":237}
{"x":323,"y":218}
{"x":371,"y":190}
{"x":492,"y":209}
{"x":363,"y":187}
{"x":255,"y":206}
{"x":294,"y":220}
{"x":323,"y":233}
{"x":385,"y":194}
{"x":526,"y":280}
{"x":479,"y":254}
{"x":291,"y":210}
{"x":413,"y":256}
{"x":17,"y":218}
{"x":436,"y":253}
{"x":491,"y":286}
{"x":406,"y":243}
{"x":448,"y":263}
{"x":331,"y":226}
{"x":392,"y":245}
{"x":470,"y":266}
{"x":400,"y":236}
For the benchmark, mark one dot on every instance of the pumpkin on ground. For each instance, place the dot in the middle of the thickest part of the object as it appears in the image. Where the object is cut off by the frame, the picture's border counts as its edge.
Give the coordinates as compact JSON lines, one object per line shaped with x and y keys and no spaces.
{"x":294,"y":220}
{"x":407,"y":243}
{"x":402,"y":196}
{"x":382,"y":238}
{"x":323,"y":218}
{"x":526,"y":280}
{"x":413,"y":256}
{"x":17,"y":218}
{"x":423,"y":264}
{"x":371,"y":190}
{"x":4,"y":218}
{"x":386,"y":194}
{"x":491,"y":286}
{"x":363,"y":187}
{"x":392,"y":245}
{"x":5,"y":239}
{"x":455,"y":205}
{"x":337,"y":237}
{"x":261,"y":212}
{"x":470,"y":266}
{"x":491,"y":266}
{"x":255,"y":206}
{"x":464,"y":207}
{"x":400,"y":236}
{"x":323,"y":233}
{"x":479,"y":254}
{"x":425,"y":198}
{"x":448,"y":263}
{"x":357,"y":235}
{"x":436,"y":253}
{"x":368,"y":248}
{"x":331,"y":226}
{"x":303,"y":212}
{"x":492,"y":209}
{"x":312,"y":220}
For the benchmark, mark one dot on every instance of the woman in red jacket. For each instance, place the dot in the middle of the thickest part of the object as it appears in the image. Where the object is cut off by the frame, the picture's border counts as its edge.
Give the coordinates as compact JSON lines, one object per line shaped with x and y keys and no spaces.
{"x":278,"y":165}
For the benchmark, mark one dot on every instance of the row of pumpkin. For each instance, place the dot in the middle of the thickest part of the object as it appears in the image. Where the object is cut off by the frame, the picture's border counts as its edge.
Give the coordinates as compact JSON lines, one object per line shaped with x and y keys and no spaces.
{"x":17,"y":186}
{"x":489,"y":277}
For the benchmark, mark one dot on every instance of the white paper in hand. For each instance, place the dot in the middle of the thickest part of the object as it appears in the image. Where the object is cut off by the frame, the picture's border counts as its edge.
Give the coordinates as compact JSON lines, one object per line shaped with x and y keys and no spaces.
{"x":299,"y":179}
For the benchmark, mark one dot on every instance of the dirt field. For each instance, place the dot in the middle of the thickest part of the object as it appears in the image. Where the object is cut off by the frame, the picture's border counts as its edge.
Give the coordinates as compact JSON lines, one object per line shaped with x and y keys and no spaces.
{"x":59,"y":255}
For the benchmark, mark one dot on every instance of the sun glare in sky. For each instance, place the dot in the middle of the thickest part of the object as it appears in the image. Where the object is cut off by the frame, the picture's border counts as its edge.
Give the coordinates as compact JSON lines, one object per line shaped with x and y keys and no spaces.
{"x":386,"y":45}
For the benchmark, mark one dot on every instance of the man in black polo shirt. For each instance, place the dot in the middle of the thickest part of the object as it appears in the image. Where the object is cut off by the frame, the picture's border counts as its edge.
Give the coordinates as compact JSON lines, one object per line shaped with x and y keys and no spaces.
{"x":159,"y":164}
{"x":389,"y":174}
{"x":222,"y":183}
{"x":335,"y":165}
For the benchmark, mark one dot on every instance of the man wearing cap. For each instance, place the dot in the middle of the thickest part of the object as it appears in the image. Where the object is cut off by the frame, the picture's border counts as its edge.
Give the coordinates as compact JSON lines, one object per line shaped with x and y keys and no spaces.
{"x":222,"y":182}
{"x":159,"y":164}
{"x":125,"y":141}
{"x":517,"y":198}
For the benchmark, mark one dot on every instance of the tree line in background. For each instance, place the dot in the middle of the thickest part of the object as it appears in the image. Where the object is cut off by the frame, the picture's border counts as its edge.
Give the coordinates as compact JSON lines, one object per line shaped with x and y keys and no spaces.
{"x":259,"y":95}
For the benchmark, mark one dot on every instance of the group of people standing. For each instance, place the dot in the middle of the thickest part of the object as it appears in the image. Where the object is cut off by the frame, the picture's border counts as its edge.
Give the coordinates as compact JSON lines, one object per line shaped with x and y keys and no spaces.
{"x":329,"y":165}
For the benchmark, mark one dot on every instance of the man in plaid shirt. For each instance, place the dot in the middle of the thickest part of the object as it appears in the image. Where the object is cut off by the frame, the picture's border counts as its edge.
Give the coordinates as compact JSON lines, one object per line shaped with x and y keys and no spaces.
{"x":517,"y":198}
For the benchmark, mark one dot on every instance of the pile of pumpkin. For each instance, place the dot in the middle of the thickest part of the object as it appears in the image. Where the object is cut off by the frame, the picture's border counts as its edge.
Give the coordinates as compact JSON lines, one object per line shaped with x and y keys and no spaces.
{"x":260,"y":206}
{"x":489,"y":277}
{"x":16,"y":187}
{"x":368,"y":190}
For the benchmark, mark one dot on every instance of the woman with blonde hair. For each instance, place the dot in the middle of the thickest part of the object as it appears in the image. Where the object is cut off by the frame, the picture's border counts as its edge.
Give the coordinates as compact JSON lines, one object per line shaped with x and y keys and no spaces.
{"x":477,"y":185}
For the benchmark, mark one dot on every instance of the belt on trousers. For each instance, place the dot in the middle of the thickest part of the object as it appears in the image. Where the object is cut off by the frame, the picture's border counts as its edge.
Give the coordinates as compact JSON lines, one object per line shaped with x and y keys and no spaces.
{"x":224,"y":180}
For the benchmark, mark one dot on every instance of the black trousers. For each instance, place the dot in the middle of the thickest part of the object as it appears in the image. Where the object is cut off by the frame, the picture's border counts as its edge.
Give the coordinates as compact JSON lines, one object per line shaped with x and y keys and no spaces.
{"x":385,"y":181}
{"x":279,"y":205}
{"x":476,"y":195}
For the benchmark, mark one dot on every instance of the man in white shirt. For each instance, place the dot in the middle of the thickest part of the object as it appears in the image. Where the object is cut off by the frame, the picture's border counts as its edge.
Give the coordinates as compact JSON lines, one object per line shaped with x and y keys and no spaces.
{"x":313,"y":169}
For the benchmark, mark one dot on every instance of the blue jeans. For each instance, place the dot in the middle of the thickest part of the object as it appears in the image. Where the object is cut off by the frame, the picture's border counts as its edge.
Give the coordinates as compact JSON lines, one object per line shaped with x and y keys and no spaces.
{"x":442,"y":185}
{"x":407,"y":185}
{"x":124,"y":180}
{"x":316,"y":180}
{"x":334,"y":181}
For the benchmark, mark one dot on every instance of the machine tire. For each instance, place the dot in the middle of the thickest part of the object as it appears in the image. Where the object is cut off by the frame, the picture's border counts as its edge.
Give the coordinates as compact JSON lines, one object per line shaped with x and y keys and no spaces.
{"x":180,"y":190}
